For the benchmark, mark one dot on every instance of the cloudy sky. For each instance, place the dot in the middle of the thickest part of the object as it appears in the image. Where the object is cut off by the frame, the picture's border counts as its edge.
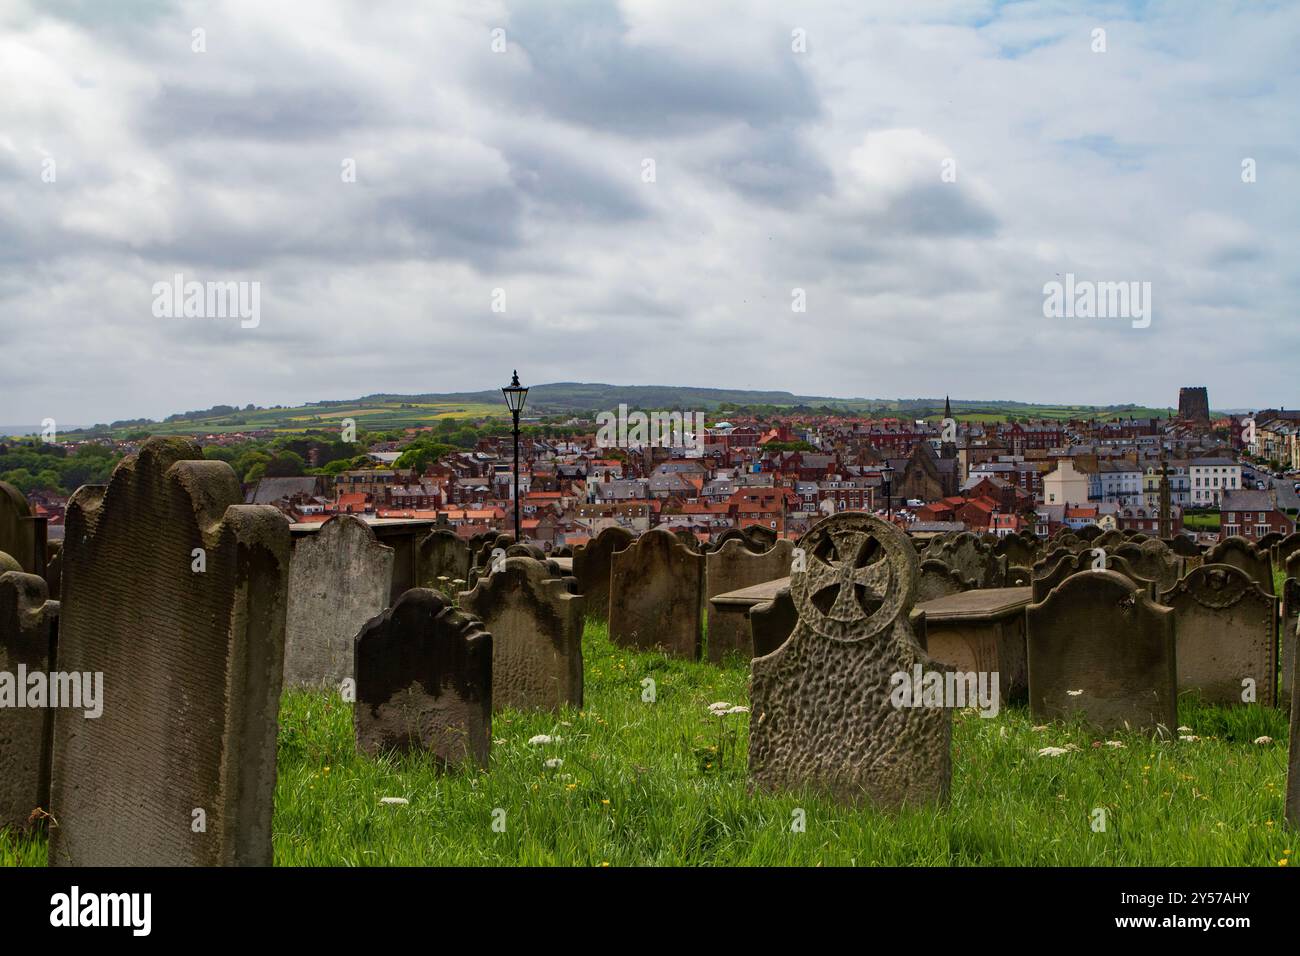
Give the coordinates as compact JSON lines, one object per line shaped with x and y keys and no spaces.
{"x":647,"y":183}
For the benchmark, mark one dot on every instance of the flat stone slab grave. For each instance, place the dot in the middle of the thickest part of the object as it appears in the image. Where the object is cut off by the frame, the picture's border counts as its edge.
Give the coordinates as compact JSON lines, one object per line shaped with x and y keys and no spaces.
{"x":736,"y":605}
{"x":982,"y":631}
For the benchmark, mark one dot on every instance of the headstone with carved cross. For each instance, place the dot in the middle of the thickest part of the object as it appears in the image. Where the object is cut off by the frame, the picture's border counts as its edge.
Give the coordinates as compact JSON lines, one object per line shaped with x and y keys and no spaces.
{"x":823,"y":712}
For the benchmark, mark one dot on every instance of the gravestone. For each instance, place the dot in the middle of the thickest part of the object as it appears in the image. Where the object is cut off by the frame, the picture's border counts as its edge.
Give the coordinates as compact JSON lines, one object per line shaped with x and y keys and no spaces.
{"x":1110,"y":539}
{"x":441,"y":554}
{"x":175,"y":591}
{"x":730,"y":568}
{"x":1240,"y":553}
{"x":1090,"y":533}
{"x":22,"y":534}
{"x":772,"y":623}
{"x":937,"y":580}
{"x":1050,"y":560}
{"x":536,"y":627}
{"x":1085,"y":562}
{"x":339,"y":578}
{"x":424,"y":682}
{"x":656,"y":595}
{"x":29,"y":627}
{"x":822,"y":709}
{"x":1225,"y":626}
{"x":976,"y":561}
{"x":1101,"y":649}
{"x":54,"y":574}
{"x":591,"y":566}
{"x":1153,"y":561}
{"x":1293,"y":763}
{"x":760,"y":537}
{"x":1018,"y":551}
{"x":1269,"y":541}
{"x":735,"y":534}
{"x":9,"y":563}
{"x":688,"y":539}
{"x":1182,"y":546}
{"x":1285,"y":548}
{"x":1290,"y":622}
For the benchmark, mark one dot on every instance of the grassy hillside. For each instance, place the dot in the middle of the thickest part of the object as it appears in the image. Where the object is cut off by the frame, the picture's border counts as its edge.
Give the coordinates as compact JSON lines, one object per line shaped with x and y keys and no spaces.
{"x":384,"y":411}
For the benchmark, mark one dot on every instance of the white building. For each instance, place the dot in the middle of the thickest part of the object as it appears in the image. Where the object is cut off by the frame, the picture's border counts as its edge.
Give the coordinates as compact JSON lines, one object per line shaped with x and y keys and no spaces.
{"x":1210,"y":478}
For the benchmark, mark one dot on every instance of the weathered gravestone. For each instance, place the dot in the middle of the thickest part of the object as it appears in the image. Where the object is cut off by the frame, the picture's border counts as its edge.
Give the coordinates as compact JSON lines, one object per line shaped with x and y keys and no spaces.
{"x":1240,"y":553}
{"x":441,"y":554}
{"x":1225,"y":626}
{"x":536,"y":627}
{"x":656,"y":595}
{"x":54,"y":574}
{"x":823,"y":711}
{"x":936,"y":580}
{"x":22,"y":534}
{"x":1285,"y":548}
{"x":1290,"y":622}
{"x":591,"y":566}
{"x":1101,"y":649}
{"x":772,"y":623}
{"x":1293,"y":764}
{"x":975,"y":560}
{"x":731,"y":568}
{"x":1018,"y":551}
{"x":424,"y":682}
{"x":1151,"y":560}
{"x":1083,"y":563}
{"x":339,"y":578}
{"x":9,"y":563}
{"x":175,"y":593}
{"x":29,"y":627}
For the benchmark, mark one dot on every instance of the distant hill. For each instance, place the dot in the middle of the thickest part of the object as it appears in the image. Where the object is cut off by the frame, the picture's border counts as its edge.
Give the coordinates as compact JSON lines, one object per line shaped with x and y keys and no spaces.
{"x":386,"y":410}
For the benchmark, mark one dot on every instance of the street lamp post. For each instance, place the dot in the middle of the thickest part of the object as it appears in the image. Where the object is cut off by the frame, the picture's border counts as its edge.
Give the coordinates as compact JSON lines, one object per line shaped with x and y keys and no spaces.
{"x":886,"y":477}
{"x":515,"y":395}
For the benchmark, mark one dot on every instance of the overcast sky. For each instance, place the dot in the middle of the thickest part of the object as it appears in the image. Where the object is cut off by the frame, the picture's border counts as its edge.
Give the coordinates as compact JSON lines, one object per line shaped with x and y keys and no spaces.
{"x":775,"y":169}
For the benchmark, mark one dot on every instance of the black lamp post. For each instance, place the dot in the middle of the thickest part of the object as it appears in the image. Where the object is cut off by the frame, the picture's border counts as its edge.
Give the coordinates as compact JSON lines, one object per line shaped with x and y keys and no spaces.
{"x":515,"y":395}
{"x":886,"y":477}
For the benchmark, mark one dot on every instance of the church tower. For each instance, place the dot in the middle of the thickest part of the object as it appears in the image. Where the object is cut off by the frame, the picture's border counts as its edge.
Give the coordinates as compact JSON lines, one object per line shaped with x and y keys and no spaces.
{"x":948,"y":433}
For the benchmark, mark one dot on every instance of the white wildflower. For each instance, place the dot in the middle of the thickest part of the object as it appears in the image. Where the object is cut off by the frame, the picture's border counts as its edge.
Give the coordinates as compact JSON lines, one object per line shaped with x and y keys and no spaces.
{"x":1263,"y":740}
{"x":394,"y":801}
{"x":555,"y":763}
{"x":1052,"y":751}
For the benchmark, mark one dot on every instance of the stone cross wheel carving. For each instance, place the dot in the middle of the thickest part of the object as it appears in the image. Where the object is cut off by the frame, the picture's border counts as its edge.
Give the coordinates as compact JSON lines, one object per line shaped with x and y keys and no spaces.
{"x":860,"y":575}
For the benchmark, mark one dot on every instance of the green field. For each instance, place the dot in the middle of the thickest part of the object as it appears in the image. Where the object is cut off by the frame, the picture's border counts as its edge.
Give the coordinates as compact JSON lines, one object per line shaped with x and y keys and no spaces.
{"x":369,"y":416}
{"x":664,"y":783}
{"x":384,"y":411}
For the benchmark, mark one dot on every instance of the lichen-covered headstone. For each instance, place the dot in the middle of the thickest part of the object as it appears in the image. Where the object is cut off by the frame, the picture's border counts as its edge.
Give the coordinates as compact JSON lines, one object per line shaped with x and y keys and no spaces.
{"x":339,"y":578}
{"x":656,"y":595}
{"x":730,"y":568}
{"x":441,"y":554}
{"x":1100,"y":648}
{"x":823,"y":711}
{"x":28,"y":638}
{"x":536,"y":627}
{"x":424,"y":682}
{"x":1083,"y":563}
{"x":175,"y":592}
{"x":591,"y":566}
{"x":1225,"y":625}
{"x":1240,"y":553}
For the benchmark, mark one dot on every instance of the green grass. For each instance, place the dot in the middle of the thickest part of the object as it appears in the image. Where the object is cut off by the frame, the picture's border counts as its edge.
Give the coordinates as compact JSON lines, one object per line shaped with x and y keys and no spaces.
{"x":1201,"y":522}
{"x":646,"y":784}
